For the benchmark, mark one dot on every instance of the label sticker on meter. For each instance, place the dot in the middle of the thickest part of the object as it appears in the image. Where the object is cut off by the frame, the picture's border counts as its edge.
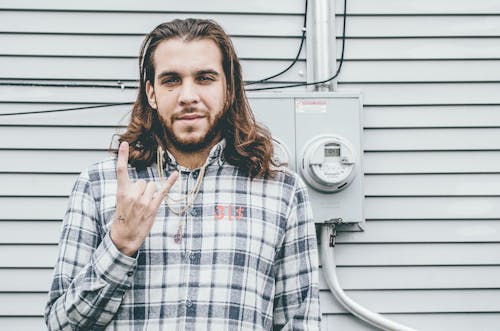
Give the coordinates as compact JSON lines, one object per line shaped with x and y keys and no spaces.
{"x":310,"y":106}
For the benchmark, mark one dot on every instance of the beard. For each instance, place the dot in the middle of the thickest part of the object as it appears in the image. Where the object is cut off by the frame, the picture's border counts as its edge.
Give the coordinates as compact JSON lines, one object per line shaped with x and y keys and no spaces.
{"x":193,"y":144}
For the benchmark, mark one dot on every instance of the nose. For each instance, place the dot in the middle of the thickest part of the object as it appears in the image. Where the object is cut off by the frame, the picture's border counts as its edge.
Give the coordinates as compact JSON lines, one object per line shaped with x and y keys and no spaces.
{"x":188,"y":94}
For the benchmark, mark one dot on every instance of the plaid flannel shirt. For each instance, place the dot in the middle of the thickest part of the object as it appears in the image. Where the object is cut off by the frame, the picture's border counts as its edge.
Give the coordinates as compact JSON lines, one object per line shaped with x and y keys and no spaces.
{"x":247,"y":260}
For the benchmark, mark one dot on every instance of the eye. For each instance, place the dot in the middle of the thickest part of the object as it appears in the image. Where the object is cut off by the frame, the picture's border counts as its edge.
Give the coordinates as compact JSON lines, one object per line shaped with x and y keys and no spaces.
{"x":170,"y":81}
{"x":206,"y":78}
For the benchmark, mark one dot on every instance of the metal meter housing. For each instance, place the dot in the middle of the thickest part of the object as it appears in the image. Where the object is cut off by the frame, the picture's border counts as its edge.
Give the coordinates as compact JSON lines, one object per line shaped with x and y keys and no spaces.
{"x":320,"y":133}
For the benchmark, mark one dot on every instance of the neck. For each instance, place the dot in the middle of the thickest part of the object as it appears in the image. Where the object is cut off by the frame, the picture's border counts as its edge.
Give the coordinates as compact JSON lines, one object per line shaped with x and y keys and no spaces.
{"x":194,"y":159}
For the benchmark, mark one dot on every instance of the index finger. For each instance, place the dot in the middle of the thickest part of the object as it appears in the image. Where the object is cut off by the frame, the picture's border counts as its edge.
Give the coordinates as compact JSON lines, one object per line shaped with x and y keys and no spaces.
{"x":122,"y":166}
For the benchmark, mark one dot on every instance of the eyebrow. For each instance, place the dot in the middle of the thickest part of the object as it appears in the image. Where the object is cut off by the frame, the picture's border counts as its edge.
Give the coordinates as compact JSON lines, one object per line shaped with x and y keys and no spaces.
{"x":197,"y":73}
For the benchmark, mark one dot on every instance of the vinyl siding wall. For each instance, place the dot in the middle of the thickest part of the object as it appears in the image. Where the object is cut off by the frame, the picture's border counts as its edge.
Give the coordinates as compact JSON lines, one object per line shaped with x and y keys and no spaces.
{"x":429,"y":72}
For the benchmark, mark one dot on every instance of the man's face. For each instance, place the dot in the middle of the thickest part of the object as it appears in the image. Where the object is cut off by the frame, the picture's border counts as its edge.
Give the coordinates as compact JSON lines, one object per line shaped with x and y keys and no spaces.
{"x":189,"y":92}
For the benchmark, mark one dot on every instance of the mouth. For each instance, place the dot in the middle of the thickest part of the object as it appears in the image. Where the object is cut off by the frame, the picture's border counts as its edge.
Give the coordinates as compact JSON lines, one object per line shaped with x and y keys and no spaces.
{"x":190,"y":117}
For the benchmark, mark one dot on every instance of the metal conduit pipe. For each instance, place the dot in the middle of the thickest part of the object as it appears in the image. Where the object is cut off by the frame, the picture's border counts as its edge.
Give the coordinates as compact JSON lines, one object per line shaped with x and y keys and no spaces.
{"x":330,"y":273}
{"x":323,"y":44}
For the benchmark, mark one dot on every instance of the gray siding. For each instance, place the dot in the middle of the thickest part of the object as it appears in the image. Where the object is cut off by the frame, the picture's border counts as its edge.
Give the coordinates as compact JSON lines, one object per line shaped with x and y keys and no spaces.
{"x":429,"y":74}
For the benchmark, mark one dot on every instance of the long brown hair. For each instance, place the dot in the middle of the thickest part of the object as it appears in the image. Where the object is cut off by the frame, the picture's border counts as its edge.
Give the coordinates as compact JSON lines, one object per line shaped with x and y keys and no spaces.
{"x":249,"y":144}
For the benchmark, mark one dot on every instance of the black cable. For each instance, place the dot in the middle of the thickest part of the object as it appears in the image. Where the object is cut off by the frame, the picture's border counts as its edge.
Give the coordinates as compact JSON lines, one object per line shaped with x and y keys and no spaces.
{"x":118,"y":84}
{"x":67,"y":109}
{"x":341,"y":61}
{"x":304,"y":26}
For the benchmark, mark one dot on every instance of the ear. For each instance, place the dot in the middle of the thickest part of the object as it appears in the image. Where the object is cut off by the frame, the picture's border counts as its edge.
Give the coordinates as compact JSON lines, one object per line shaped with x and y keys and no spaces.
{"x":150,"y":92}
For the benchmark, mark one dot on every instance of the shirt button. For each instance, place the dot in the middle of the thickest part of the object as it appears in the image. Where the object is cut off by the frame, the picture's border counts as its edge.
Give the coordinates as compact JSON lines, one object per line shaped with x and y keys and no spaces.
{"x":192,"y":256}
{"x":194,"y":212}
{"x":189,"y":303}
{"x":130,"y":273}
{"x":195,"y":174}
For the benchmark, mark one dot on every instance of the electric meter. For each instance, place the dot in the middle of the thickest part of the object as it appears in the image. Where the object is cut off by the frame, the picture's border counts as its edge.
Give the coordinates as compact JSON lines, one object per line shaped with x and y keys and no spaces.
{"x":281,"y":154}
{"x":328,"y":163}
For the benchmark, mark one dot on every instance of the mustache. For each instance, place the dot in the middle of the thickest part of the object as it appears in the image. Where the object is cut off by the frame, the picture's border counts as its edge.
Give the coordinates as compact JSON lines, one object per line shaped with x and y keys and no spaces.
{"x":189,"y":111}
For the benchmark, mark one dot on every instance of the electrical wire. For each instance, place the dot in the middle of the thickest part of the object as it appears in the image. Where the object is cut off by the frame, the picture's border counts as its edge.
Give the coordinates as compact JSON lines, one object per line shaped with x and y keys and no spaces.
{"x":339,"y":68}
{"x":304,"y":26}
{"x":118,"y":84}
{"x":66,"y":109}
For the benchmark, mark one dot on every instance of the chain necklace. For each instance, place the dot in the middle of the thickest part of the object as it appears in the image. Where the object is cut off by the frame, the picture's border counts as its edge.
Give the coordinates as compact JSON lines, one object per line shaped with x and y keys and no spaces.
{"x":187,"y":198}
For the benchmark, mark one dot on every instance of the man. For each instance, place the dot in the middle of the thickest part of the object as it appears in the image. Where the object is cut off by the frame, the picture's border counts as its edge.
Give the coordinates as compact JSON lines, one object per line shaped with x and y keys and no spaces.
{"x":227,"y":242}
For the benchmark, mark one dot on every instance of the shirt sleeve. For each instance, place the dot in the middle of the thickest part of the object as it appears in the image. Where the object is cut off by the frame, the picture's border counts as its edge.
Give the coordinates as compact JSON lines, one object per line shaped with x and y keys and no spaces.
{"x":91,"y":275}
{"x":296,"y":301}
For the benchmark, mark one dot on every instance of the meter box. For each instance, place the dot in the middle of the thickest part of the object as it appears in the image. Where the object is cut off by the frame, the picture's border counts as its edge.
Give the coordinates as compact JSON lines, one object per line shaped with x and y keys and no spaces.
{"x":319,"y":136}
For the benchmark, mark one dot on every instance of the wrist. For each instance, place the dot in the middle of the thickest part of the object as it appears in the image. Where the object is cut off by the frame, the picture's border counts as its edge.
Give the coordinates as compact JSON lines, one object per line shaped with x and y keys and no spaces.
{"x":127,"y":247}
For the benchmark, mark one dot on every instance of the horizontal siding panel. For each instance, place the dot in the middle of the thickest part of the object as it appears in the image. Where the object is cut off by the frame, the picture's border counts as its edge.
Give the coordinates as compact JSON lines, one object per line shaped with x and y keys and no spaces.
{"x":413,"y":26}
{"x":49,"y":161}
{"x":418,"y":7}
{"x":424,"y":322}
{"x":129,"y":46}
{"x":421,"y":301}
{"x":25,"y":280}
{"x":417,"y":254}
{"x":30,"y":232}
{"x":24,"y":323}
{"x":421,"y":48}
{"x":28,"y":256}
{"x":42,"y":68}
{"x":428,"y":93}
{"x":36,"y":184}
{"x":431,"y":139}
{"x":119,"y":23}
{"x":39,"y":208}
{"x":419,"y":231}
{"x":432,"y":162}
{"x":257,"y":6}
{"x":419,"y":71}
{"x":432,"y":185}
{"x":66,"y":94}
{"x":22,"y":304}
{"x":443,"y":277}
{"x":431,"y":116}
{"x":57,"y":138}
{"x":44,"y":256}
{"x":70,"y":45}
{"x":432,"y":208}
{"x":104,"y":116}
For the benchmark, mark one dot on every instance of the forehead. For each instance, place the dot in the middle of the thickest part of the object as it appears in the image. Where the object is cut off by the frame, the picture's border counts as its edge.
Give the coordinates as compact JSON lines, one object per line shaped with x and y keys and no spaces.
{"x":187,"y":56}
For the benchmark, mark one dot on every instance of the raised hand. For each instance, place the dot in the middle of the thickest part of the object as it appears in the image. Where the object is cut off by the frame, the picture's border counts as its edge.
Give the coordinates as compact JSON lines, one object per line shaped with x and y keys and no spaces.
{"x":136,"y":206}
